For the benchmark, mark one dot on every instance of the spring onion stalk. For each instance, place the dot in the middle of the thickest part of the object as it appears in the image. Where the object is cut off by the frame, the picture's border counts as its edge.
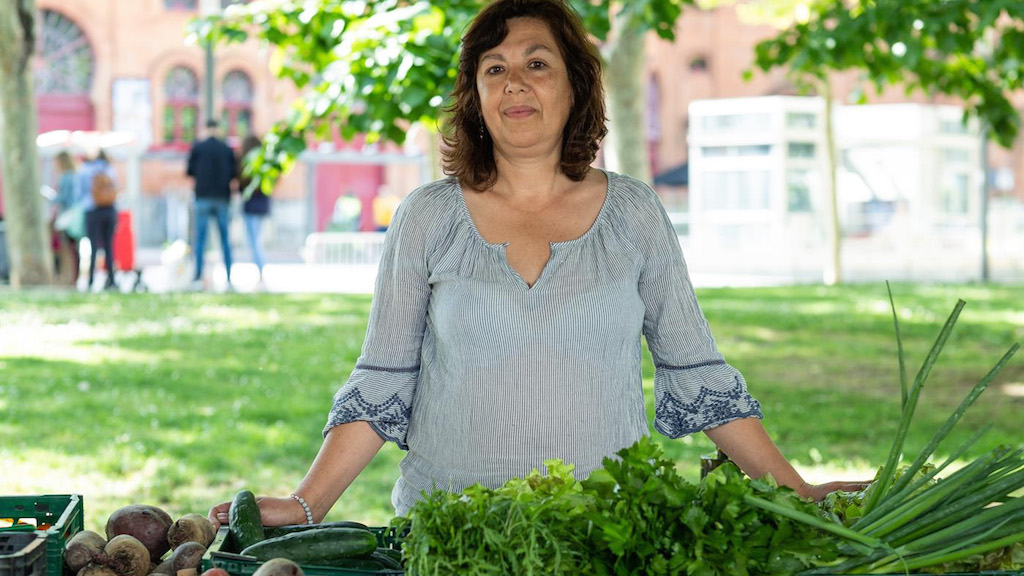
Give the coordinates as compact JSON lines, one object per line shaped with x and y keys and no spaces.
{"x":889,"y":470}
{"x":899,"y":349}
{"x":987,"y":517}
{"x":955,"y":417}
{"x":818,"y":522}
{"x":941,"y":518}
{"x":926,"y":499}
{"x":896,"y":498}
{"x":944,"y":556}
{"x":1003,"y":481}
{"x":938,"y":519}
{"x":902,"y":558}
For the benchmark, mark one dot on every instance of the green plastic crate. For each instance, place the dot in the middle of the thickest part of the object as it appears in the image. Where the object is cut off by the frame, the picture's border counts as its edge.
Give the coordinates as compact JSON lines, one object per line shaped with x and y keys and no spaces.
{"x":63,"y":512}
{"x":22,"y":554}
{"x":223,"y":554}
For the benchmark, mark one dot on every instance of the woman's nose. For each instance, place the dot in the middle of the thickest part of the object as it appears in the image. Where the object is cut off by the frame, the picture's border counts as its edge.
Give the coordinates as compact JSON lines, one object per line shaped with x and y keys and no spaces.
{"x":515,"y":83}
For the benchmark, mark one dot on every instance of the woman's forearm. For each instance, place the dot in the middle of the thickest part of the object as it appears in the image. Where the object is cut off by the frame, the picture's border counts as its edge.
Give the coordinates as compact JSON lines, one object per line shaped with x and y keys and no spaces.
{"x":346,"y":450}
{"x":747,"y":444}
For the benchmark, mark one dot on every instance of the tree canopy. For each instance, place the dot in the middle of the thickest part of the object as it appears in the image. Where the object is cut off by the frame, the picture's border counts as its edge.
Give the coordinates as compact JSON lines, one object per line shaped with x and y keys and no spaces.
{"x":969,"y":49}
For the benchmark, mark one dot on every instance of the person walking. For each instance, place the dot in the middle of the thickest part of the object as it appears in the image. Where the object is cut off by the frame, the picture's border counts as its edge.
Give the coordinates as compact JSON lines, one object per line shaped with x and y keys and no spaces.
{"x":97,"y":192}
{"x":70,"y":219}
{"x":255,"y":208}
{"x":212,"y":164}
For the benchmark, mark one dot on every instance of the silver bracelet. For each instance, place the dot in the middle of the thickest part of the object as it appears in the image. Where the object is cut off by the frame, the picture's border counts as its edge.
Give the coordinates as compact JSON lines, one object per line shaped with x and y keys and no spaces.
{"x":305,"y":507}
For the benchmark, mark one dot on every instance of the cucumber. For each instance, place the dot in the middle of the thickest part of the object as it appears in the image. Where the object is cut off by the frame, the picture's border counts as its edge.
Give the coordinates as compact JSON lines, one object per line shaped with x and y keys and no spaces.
{"x":244,"y":520}
{"x":324,"y":546}
{"x":386,"y":557}
{"x":361,"y":564}
{"x":275,"y":531}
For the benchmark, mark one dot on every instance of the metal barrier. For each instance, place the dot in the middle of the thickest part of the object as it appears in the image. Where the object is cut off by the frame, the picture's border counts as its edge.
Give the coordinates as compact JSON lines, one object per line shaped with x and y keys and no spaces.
{"x":343,"y":248}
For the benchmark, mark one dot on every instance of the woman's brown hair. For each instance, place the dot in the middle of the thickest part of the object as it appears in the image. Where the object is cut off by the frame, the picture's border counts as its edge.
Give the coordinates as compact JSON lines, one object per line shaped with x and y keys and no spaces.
{"x":468,"y":153}
{"x":65,"y":162}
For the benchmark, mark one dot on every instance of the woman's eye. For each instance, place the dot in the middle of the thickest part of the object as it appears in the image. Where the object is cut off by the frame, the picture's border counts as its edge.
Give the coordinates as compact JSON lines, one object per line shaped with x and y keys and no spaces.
{"x":537,"y":64}
{"x":494,"y":70}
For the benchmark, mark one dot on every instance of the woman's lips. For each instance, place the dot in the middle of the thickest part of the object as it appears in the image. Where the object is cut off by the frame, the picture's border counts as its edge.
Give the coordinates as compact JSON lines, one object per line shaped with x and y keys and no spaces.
{"x":518,"y":111}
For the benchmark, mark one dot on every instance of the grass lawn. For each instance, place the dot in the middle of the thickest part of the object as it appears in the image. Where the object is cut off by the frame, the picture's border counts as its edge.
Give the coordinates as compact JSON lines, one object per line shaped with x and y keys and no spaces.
{"x":180,"y":400}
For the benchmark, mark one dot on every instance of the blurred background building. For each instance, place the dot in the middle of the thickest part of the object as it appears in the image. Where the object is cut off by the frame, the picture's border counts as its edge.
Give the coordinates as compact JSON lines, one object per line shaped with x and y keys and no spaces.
{"x":738,"y":163}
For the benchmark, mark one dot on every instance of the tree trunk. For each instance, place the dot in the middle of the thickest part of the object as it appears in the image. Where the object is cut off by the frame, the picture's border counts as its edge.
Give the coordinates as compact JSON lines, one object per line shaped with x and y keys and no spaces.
{"x":27,"y":229}
{"x":833,"y":273}
{"x":626,"y":149}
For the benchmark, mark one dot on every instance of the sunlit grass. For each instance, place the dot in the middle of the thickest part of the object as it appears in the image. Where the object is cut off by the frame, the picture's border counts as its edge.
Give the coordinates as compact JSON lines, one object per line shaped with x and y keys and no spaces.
{"x":182,"y":400}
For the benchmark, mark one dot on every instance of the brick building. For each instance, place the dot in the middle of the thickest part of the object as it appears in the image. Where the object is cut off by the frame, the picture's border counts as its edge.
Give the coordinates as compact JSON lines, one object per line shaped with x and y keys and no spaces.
{"x":124,"y":65}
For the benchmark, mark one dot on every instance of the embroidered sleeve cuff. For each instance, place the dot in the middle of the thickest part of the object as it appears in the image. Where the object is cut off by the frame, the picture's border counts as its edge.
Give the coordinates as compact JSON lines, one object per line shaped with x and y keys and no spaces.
{"x":383,"y":398}
{"x":688,"y":403}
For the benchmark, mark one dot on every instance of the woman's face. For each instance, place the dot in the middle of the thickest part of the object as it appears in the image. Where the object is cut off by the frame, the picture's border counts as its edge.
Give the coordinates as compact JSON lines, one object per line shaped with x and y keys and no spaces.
{"x":524,"y":90}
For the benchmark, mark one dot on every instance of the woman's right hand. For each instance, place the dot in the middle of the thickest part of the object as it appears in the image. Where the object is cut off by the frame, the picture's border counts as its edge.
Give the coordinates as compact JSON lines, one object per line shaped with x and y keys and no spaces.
{"x":273,"y":512}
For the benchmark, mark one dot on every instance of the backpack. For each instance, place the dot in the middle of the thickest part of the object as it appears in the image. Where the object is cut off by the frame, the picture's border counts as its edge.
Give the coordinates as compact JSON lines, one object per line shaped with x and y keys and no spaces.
{"x":103,"y":191}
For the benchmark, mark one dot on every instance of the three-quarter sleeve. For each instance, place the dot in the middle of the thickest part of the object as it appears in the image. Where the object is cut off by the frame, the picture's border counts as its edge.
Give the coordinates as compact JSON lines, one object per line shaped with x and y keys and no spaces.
{"x":380,"y":389}
{"x":694,"y":387}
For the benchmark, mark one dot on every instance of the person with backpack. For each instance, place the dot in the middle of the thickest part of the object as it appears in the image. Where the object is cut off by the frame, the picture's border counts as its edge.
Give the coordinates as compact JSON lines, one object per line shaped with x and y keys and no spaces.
{"x":97,"y":194}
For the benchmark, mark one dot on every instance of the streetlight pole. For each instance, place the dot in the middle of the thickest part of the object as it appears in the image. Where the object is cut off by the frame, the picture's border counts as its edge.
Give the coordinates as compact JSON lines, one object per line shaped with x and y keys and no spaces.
{"x":209,"y":8}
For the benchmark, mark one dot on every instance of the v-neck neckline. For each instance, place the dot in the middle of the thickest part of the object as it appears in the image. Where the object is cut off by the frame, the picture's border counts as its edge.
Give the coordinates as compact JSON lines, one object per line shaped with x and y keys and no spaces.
{"x":555,"y":248}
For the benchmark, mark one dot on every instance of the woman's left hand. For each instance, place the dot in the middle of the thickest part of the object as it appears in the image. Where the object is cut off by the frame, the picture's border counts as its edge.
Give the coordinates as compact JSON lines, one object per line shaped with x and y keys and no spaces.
{"x":817,"y":492}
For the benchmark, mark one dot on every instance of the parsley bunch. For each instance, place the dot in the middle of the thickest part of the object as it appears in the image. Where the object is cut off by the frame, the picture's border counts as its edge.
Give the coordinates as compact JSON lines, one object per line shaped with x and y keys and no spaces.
{"x":649,"y":520}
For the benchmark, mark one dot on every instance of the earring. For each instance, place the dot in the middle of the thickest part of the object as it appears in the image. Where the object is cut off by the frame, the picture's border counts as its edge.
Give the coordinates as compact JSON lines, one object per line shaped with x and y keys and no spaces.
{"x":481,"y":129}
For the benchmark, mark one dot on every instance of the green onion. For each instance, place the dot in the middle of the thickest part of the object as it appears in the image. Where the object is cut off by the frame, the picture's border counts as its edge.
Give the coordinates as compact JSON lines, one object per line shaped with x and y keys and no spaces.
{"x":889,"y":470}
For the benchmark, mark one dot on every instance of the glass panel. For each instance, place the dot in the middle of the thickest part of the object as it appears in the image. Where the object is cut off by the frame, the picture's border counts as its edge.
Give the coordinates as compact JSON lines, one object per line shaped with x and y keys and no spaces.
{"x":801,"y":150}
{"x":957,"y":155}
{"x":956,"y":194}
{"x":725,"y":191}
{"x":169,"y":123}
{"x":180,"y":4}
{"x":736,"y":123}
{"x":801,"y":120}
{"x":952,"y":127}
{"x":748,"y":150}
{"x":182,"y":85}
{"x":798,"y":191}
{"x":243,"y":126}
{"x":237,"y":88}
{"x":188,"y":123}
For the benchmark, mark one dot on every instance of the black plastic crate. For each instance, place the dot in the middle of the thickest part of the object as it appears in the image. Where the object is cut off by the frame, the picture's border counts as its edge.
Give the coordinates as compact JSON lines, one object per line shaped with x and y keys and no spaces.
{"x":22,"y":553}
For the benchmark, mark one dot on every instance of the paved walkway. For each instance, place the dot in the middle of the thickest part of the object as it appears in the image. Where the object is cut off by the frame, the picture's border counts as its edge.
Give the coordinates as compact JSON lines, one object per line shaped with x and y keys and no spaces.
{"x":287,"y":273}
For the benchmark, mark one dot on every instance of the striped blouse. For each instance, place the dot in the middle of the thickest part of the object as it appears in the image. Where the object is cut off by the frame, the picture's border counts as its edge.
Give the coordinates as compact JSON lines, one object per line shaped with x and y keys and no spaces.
{"x":482,"y":377}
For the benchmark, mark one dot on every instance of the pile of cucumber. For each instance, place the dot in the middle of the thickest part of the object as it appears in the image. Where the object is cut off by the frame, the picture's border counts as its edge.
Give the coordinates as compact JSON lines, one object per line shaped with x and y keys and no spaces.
{"x":345,"y":544}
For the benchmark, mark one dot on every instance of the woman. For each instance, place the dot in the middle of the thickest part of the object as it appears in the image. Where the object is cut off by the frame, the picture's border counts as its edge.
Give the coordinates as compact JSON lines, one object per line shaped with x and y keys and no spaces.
{"x":70,"y":219}
{"x":255,"y":208}
{"x":507,"y":318}
{"x":100,"y":211}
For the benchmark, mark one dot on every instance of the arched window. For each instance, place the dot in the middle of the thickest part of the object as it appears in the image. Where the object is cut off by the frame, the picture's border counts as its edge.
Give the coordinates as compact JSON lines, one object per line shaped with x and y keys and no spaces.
{"x":63,"y":71}
{"x":181,"y":106}
{"x":238,"y":96}
{"x":65,"y":60}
